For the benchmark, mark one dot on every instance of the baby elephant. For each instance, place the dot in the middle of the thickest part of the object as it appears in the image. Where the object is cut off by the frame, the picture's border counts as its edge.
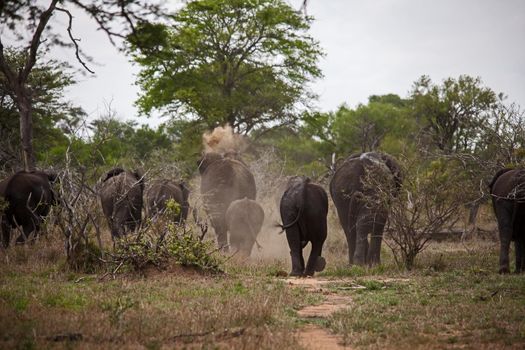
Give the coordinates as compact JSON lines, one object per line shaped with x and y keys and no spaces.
{"x":304,"y":207}
{"x":244,"y":219}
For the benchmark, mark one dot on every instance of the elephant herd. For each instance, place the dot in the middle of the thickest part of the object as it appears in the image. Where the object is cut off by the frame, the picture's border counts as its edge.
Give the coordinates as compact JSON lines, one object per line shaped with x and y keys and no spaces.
{"x":229,"y":193}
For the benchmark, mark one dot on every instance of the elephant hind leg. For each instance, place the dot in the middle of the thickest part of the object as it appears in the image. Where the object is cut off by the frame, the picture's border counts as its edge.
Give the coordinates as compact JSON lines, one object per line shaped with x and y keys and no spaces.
{"x":293,"y":236}
{"x":25,"y":233}
{"x":374,"y":251}
{"x":376,"y":237}
{"x":315,"y":262}
{"x":504,"y":216}
{"x":221,"y":231}
{"x":6,"y":232}
{"x":519,"y":245}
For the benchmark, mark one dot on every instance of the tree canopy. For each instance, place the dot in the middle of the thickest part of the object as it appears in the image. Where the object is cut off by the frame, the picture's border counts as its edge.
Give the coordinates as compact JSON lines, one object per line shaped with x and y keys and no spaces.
{"x":47,"y":81}
{"x":115,"y":17}
{"x":245,"y":63}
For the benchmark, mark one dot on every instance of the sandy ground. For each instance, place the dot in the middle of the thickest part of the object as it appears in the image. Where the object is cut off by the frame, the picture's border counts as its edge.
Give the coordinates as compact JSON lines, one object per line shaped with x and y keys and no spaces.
{"x":313,"y":336}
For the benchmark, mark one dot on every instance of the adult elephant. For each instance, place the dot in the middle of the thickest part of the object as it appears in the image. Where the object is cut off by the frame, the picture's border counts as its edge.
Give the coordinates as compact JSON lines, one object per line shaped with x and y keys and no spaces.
{"x":28,"y":197}
{"x":304,"y":207}
{"x":121,"y":199}
{"x":244,"y":219}
{"x":507,"y":189}
{"x":223,"y":180}
{"x":359,"y":214}
{"x":163,"y":190}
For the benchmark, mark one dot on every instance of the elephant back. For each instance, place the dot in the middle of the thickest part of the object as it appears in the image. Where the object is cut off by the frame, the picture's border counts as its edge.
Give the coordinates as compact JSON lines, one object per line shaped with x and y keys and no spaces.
{"x":121,"y":189}
{"x":349,"y":177}
{"x":228,"y":178}
{"x":162,"y":190}
{"x":245,"y":212}
{"x":509,"y":184}
{"x":29,"y":195}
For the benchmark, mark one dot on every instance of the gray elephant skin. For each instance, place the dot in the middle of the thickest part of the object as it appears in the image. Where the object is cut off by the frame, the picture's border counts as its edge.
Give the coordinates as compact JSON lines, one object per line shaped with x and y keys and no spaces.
{"x":28,"y":197}
{"x":244,"y":219}
{"x":358,"y":217}
{"x":223,"y":180}
{"x":163,"y":190}
{"x":121,"y":199}
{"x":507,"y":190}
{"x":304,"y":208}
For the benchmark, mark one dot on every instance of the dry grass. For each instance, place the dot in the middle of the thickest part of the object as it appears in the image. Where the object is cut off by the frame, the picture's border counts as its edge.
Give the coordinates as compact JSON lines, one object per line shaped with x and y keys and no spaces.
{"x":452,"y":298}
{"x":42,"y":303}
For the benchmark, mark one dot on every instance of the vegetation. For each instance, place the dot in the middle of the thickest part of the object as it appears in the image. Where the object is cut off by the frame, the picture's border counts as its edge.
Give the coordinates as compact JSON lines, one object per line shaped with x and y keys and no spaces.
{"x":115,"y":18}
{"x":246,"y":63}
{"x":452,"y":297}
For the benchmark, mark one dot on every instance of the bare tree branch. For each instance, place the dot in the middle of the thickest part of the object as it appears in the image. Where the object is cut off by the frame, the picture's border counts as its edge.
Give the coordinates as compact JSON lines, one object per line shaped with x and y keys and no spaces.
{"x":73,"y":39}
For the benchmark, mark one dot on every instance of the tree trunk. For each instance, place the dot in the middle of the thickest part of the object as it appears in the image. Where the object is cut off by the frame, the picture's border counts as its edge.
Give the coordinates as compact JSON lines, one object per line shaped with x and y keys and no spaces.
{"x":26,"y":129}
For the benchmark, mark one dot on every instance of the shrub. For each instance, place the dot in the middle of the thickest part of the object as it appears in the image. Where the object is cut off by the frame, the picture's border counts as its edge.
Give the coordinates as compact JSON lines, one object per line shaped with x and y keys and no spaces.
{"x":161,"y":242}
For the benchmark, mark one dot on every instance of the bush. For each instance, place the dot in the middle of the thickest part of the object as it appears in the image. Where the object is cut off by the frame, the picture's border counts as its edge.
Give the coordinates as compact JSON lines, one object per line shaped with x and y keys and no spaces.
{"x":161,"y":242}
{"x":428,"y":201}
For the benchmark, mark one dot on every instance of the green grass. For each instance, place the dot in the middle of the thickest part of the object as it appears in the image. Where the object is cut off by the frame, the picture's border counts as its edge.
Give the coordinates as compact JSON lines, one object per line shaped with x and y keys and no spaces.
{"x":453,"y":298}
{"x":465,"y":304}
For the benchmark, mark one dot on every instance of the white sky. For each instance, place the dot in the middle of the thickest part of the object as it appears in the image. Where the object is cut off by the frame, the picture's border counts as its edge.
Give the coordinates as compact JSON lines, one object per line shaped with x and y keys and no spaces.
{"x":372,"y":47}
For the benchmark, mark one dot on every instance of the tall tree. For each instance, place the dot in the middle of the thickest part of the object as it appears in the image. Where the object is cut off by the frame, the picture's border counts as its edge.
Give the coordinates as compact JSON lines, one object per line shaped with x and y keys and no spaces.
{"x":454,"y":112}
{"x":51,"y":110}
{"x":245,"y":63}
{"x":117,"y":18}
{"x":366,"y":127}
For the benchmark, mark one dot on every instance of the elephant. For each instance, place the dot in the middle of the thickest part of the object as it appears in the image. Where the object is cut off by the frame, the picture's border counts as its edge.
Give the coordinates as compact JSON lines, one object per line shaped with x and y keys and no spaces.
{"x":359,"y":216}
{"x":223,"y":180}
{"x":163,"y":190}
{"x":121,"y":199}
{"x":507,"y":190}
{"x":304,"y":210}
{"x":28,"y":197}
{"x":244,"y":219}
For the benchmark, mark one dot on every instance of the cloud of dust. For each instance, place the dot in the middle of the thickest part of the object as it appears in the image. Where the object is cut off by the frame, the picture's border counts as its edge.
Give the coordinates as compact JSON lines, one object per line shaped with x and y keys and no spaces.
{"x":271,"y":184}
{"x":222,"y":140}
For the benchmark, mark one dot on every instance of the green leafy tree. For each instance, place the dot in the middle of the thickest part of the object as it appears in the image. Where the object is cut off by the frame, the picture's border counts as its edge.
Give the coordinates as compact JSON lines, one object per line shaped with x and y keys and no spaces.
{"x":245,"y":63}
{"x":116,"y":18}
{"x":383,"y":124}
{"x":54,"y":115}
{"x":453,"y":114}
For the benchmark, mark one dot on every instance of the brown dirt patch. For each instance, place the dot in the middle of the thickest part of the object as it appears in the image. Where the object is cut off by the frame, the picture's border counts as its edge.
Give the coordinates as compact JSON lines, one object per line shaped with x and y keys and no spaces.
{"x":312,"y":336}
{"x":315,"y":337}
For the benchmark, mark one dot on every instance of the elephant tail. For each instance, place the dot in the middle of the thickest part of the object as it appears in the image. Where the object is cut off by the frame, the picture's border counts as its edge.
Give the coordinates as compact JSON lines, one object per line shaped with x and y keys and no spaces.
{"x":302,"y":201}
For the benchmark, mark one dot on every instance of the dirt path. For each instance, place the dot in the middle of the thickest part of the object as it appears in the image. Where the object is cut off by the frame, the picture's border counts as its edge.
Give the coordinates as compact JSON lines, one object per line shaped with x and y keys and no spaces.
{"x":312,"y":336}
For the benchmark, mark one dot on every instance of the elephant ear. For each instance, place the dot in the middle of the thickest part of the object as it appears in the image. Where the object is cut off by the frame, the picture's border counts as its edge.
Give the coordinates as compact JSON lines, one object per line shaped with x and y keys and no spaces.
{"x":112,"y":172}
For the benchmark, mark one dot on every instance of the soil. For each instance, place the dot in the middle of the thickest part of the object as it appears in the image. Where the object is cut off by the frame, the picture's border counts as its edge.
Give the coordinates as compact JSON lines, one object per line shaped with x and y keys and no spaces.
{"x":313,"y":336}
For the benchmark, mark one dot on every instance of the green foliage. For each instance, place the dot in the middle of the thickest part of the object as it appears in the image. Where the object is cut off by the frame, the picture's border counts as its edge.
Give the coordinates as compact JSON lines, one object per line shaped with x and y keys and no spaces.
{"x":175,"y":245}
{"x":384,"y":118}
{"x":383,"y":124}
{"x":53,"y":116}
{"x":182,"y":248}
{"x":241,"y":62}
{"x":454,"y":113}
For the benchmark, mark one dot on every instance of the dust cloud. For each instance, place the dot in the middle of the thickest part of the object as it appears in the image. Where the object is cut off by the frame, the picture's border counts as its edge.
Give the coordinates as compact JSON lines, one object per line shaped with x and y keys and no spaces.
{"x":223,"y":140}
{"x":268,"y":173}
